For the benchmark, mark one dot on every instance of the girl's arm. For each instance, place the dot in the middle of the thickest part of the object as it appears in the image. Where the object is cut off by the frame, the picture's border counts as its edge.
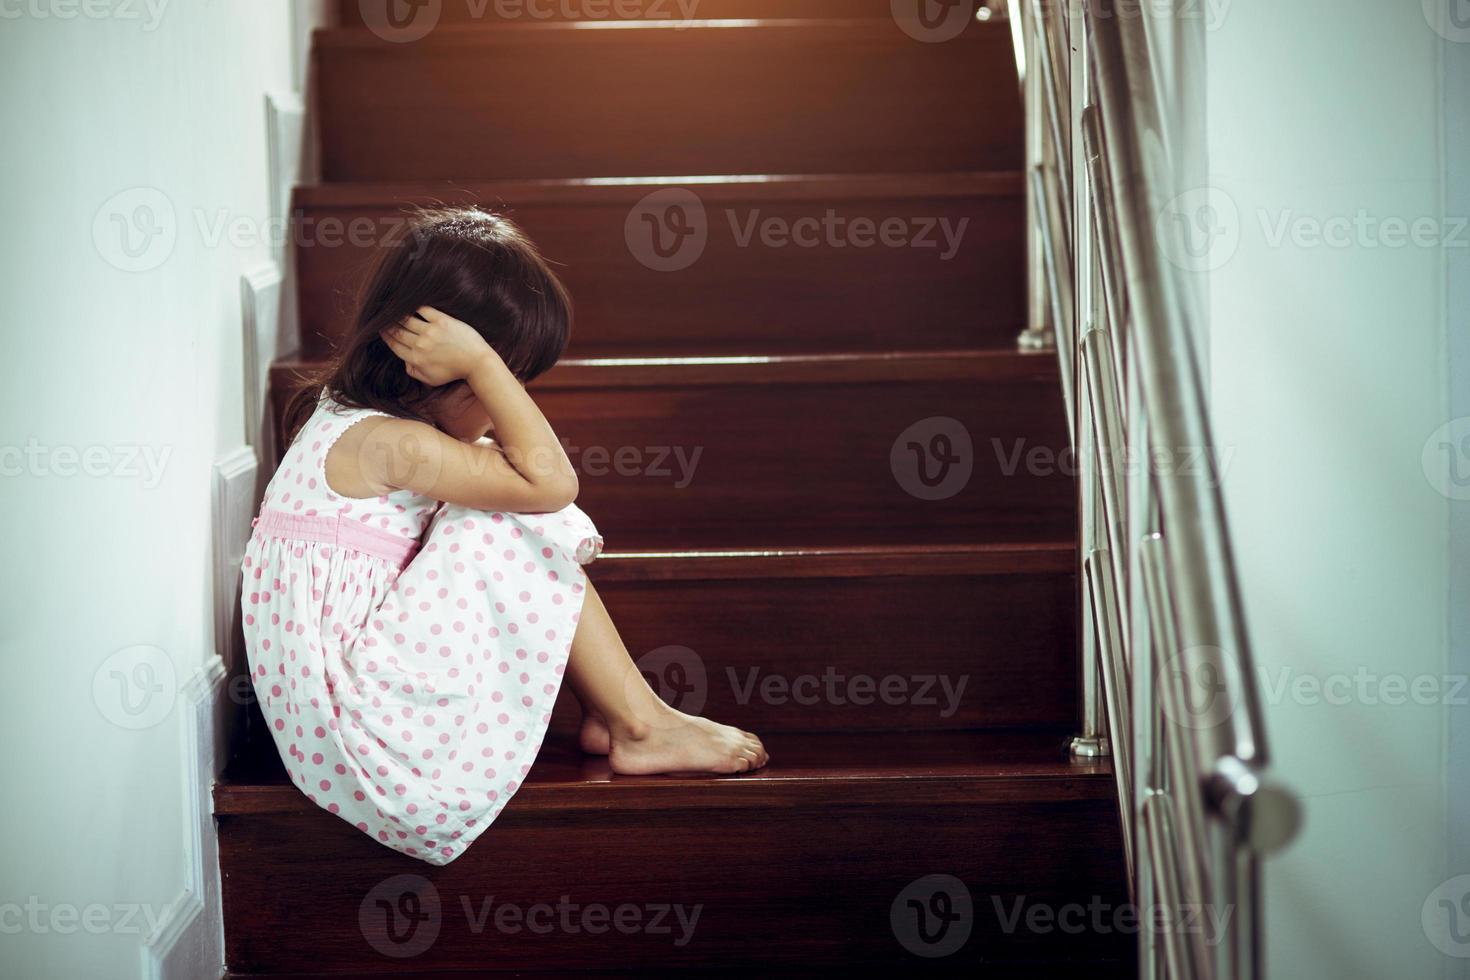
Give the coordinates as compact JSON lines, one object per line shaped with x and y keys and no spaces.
{"x":527,"y":471}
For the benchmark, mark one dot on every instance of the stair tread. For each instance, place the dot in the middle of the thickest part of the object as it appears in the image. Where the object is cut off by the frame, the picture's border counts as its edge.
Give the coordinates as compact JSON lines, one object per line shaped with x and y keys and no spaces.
{"x":800,"y":368}
{"x":352,"y":12}
{"x":850,"y":768}
{"x":674,"y":31}
{"x":1097,"y":967}
{"x":906,"y":555}
{"x":710,"y":187}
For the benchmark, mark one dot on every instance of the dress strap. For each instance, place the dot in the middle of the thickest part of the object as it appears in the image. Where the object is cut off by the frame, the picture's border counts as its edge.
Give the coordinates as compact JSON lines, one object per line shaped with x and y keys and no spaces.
{"x":331,"y":421}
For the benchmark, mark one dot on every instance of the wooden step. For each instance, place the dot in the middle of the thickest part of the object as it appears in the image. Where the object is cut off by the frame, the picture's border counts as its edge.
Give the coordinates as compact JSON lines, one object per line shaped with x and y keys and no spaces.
{"x":665,"y":98}
{"x":363,"y":13}
{"x":805,"y":863}
{"x":852,"y":639}
{"x":949,"y":274}
{"x":870,"y":638}
{"x":686,"y":454}
{"x":815,"y":449}
{"x":845,"y":639}
{"x":1020,"y":970}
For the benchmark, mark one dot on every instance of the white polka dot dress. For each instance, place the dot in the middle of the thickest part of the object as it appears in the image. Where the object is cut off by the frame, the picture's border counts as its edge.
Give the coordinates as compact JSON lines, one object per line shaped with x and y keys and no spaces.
{"x":406,"y":654}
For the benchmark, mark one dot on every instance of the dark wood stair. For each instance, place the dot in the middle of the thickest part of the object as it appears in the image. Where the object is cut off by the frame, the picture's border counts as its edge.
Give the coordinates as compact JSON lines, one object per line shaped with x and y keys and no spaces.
{"x":958,"y":286}
{"x":814,"y":641}
{"x":722,"y":97}
{"x":840,"y":818}
{"x":801,"y":448}
{"x":493,"y":13}
{"x":798,"y":569}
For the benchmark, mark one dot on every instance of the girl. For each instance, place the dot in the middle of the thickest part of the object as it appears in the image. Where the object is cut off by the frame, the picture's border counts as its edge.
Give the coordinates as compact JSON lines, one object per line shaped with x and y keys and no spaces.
{"x":413,"y":590}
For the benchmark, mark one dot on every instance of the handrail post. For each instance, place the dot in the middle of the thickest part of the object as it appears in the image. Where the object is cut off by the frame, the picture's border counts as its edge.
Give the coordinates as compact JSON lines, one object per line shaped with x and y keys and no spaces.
{"x":1040,"y":334}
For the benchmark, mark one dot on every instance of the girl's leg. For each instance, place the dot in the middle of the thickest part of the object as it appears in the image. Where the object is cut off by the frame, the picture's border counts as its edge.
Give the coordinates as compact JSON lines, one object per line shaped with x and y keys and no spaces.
{"x":593,"y":737}
{"x":644,"y":735}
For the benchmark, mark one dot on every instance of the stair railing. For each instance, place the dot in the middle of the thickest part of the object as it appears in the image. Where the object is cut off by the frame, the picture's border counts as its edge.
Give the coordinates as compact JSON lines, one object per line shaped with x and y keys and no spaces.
{"x":1170,"y":688}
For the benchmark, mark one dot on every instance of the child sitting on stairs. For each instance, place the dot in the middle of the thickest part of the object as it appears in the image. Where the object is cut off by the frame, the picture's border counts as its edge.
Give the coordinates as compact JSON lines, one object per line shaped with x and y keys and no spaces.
{"x":413,"y":589}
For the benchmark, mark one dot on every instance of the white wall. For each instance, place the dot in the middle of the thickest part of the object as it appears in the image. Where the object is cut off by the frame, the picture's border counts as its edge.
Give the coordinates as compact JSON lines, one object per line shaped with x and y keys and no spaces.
{"x":1456,"y":110}
{"x":166,"y":95}
{"x":1328,"y":375}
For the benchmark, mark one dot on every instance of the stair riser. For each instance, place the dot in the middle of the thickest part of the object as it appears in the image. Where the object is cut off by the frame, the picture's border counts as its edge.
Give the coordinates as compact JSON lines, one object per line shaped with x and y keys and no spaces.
{"x":856,"y":654}
{"x":706,"y":465}
{"x":753,"y":273}
{"x":701,"y":463}
{"x":493,"y":12}
{"x":668,"y":101}
{"x":772,"y":888}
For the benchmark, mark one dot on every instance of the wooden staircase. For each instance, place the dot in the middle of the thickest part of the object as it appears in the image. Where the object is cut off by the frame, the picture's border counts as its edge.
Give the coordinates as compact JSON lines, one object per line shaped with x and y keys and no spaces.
{"x":910,"y":662}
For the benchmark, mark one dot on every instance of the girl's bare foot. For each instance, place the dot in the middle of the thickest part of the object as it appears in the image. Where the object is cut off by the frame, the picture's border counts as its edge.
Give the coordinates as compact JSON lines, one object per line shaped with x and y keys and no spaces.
{"x":680,"y":743}
{"x":594,"y":738}
{"x":624,"y":718}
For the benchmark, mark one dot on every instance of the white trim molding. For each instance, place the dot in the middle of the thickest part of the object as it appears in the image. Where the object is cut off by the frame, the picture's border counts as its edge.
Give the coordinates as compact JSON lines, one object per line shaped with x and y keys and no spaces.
{"x":288,"y":151}
{"x":235,"y":501}
{"x":190,"y":942}
{"x":264,"y":332}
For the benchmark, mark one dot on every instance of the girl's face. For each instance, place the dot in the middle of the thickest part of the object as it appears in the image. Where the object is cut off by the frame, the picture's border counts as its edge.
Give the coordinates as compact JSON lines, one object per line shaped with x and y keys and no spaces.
{"x":459,"y":413}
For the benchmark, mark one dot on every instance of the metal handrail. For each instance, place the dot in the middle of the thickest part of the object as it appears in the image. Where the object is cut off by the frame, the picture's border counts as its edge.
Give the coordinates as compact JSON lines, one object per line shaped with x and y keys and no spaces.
{"x":1199,"y":807}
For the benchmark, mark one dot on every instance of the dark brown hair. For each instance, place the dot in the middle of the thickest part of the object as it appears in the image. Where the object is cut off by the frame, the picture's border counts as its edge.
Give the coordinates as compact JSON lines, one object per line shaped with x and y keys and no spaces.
{"x":477,"y":267}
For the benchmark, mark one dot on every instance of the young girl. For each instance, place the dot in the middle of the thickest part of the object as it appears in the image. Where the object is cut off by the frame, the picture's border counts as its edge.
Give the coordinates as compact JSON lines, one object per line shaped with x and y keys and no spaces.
{"x":413,"y":590}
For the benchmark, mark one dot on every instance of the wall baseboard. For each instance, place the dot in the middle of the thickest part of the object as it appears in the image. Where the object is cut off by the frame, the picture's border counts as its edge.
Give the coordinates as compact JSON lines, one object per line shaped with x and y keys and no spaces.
{"x":190,"y":942}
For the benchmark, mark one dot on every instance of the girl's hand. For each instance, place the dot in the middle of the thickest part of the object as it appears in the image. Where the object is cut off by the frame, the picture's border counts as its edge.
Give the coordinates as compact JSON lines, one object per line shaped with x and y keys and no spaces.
{"x":436,"y":348}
